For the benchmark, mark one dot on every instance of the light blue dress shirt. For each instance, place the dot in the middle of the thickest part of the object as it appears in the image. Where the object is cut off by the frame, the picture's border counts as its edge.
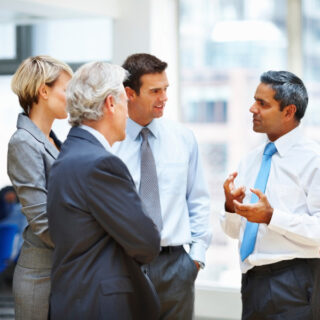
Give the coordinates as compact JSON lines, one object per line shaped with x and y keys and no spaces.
{"x":184,"y":197}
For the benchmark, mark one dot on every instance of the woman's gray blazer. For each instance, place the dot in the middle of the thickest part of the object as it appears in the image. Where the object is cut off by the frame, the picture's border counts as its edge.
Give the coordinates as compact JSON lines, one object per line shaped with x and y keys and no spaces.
{"x":30,"y":157}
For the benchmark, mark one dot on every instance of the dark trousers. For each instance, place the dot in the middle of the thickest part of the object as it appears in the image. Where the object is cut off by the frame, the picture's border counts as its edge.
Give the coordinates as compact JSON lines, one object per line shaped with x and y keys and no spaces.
{"x":173,"y":274}
{"x":286,"y":290}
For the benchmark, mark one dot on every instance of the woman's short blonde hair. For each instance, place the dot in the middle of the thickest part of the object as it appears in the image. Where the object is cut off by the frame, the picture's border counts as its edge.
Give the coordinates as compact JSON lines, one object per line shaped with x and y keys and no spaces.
{"x":31,"y":74}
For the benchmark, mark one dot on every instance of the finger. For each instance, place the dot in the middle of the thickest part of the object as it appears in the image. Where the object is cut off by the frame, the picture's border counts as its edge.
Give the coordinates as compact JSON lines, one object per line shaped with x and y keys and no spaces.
{"x":242,"y":207}
{"x":238,"y":205}
{"x":234,"y":174}
{"x":232,"y":177}
{"x":239,"y":192}
{"x":258,"y":192}
{"x":243,"y":194}
{"x":229,"y":184}
{"x":237,"y":208}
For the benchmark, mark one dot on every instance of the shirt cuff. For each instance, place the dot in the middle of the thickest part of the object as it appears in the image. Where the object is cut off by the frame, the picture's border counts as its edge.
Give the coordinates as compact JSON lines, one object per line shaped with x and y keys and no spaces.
{"x":279,"y":218}
{"x":198,"y":253}
{"x":232,"y":217}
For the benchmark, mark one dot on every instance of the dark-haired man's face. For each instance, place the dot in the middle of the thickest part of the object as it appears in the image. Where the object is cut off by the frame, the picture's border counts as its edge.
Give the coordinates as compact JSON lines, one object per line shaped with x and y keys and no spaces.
{"x":150,"y":102}
{"x":267,"y":117}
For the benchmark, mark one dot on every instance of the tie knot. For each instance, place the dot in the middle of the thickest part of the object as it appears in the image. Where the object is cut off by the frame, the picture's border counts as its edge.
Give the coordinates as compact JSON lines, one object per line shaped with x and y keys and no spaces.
{"x":270,"y":149}
{"x":144,"y":133}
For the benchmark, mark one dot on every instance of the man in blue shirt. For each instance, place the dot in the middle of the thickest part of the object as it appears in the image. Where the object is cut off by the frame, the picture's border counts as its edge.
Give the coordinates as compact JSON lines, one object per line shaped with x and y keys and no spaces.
{"x":164,"y":162}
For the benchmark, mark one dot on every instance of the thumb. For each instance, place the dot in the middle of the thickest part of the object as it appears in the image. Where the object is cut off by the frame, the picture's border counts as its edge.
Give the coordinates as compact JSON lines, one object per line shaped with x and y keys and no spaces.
{"x":257,"y":192}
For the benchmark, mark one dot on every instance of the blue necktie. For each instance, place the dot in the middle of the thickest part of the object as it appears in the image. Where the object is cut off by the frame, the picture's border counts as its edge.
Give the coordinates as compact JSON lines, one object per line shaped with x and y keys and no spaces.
{"x":250,"y":233}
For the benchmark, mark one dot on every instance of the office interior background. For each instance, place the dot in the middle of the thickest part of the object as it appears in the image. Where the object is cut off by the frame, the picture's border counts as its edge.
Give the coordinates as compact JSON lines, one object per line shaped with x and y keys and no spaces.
{"x":216,"y":51}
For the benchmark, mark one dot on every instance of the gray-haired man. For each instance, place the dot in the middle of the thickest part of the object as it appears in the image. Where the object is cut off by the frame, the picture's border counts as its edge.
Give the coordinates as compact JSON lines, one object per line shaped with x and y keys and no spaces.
{"x":96,"y":220}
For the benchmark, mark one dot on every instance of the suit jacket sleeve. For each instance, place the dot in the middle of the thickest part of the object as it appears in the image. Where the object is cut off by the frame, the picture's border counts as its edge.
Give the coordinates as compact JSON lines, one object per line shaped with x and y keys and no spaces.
{"x":27,"y":174}
{"x":116,"y":206}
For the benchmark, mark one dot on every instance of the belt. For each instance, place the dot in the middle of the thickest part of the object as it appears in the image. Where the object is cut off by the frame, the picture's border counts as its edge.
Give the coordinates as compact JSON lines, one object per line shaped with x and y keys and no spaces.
{"x":170,"y":249}
{"x":269,"y":268}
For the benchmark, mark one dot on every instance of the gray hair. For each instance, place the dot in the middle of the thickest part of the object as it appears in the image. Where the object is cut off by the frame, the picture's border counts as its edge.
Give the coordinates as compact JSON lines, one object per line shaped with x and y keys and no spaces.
{"x":91,"y":85}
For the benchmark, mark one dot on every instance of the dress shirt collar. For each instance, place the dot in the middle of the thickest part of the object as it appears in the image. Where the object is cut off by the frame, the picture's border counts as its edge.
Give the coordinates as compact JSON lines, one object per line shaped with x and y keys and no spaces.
{"x":285,"y":142}
{"x":133,"y":128}
{"x":98,"y":136}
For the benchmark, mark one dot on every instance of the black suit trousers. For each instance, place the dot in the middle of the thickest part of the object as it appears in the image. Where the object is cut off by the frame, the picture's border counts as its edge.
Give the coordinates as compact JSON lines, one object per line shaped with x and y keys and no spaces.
{"x":173,"y":274}
{"x":282,"y":291}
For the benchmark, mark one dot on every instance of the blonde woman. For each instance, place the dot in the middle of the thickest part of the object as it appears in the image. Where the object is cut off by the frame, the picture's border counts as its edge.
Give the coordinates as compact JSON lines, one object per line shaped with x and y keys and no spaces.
{"x":40,"y":83}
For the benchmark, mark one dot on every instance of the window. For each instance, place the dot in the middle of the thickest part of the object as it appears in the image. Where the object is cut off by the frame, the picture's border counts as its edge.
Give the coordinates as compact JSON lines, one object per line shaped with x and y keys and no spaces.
{"x":311,"y":62}
{"x":15,"y":46}
{"x":58,"y":38}
{"x":206,"y":111}
{"x":7,"y":41}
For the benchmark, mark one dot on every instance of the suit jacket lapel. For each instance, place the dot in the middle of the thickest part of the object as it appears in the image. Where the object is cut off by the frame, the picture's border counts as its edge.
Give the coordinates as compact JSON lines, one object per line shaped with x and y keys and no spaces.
{"x":50,"y":148}
{"x":24,"y":122}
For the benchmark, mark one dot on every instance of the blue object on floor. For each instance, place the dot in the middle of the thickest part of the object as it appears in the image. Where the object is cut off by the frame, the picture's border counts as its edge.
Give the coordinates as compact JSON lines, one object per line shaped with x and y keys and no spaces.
{"x":8,"y":244}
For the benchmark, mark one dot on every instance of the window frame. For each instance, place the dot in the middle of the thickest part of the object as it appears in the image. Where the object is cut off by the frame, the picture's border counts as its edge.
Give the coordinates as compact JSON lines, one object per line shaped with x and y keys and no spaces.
{"x":23,"y":49}
{"x":24,"y":41}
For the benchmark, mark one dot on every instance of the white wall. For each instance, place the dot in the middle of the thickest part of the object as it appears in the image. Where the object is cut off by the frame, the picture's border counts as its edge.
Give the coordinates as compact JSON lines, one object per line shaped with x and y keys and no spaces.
{"x":165,"y":45}
{"x":132,"y":29}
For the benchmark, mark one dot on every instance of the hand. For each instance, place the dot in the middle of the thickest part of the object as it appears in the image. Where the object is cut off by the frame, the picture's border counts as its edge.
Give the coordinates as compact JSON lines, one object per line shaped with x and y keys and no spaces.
{"x":231,"y":193}
{"x":197,"y":264}
{"x":259,"y":212}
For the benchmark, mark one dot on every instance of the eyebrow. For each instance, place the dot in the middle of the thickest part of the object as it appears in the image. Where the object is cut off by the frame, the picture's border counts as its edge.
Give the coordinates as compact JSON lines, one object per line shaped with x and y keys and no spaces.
{"x":260,"y":100}
{"x":158,"y":88}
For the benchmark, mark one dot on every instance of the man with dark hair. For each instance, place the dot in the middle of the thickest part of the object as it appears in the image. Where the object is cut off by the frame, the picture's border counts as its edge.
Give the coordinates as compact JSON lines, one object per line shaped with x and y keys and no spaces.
{"x":278,"y":222}
{"x":163,"y":160}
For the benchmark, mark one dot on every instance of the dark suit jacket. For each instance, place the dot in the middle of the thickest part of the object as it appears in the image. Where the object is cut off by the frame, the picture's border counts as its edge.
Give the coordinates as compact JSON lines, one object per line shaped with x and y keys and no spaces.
{"x":101,"y":234}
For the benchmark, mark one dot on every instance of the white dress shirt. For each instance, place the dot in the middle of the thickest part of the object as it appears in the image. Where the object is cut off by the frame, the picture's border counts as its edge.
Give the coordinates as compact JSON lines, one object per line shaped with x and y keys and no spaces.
{"x":184,"y":197}
{"x":293,"y":191}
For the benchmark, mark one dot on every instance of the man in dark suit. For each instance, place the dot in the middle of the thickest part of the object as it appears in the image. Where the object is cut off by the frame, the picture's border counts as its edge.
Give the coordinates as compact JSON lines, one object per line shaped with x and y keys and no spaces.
{"x":96,"y":220}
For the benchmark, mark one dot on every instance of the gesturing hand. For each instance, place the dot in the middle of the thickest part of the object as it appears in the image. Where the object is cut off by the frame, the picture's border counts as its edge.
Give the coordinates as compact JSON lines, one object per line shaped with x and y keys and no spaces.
{"x":259,"y":212}
{"x":232,"y":193}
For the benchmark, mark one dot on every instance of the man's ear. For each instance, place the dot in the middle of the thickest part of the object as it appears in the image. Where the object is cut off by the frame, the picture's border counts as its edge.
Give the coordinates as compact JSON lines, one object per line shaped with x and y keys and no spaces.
{"x":109,"y":104}
{"x":131,"y":94}
{"x":290,"y":111}
{"x":43,"y":91}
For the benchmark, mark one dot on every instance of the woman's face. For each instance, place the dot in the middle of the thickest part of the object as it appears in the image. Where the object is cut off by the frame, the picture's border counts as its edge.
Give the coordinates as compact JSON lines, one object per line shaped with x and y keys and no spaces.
{"x":57,"y":96}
